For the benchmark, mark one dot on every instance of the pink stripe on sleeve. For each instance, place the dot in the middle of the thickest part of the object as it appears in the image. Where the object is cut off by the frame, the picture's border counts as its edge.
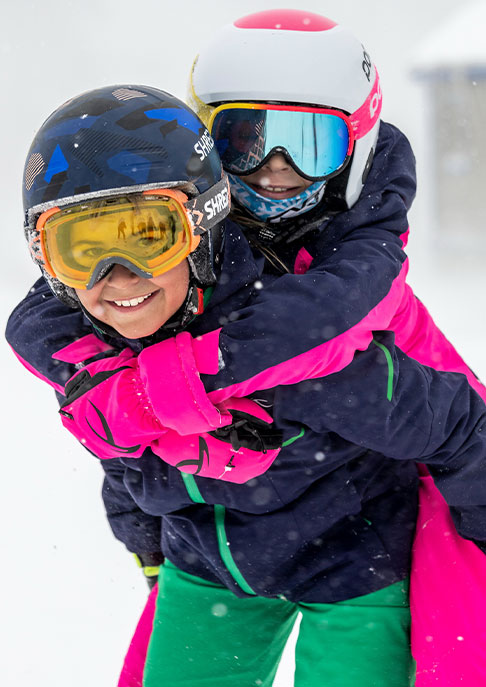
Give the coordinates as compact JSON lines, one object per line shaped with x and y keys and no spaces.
{"x":420,"y":338}
{"x":82,"y":349}
{"x":329,"y":357}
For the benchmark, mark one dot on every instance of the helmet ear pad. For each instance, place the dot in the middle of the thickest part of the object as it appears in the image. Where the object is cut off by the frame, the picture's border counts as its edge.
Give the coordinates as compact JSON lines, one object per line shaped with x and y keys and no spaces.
{"x":360,"y":164}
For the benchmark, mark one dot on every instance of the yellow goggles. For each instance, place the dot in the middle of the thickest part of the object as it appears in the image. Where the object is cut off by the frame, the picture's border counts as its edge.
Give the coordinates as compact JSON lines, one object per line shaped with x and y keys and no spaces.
{"x":149,"y":232}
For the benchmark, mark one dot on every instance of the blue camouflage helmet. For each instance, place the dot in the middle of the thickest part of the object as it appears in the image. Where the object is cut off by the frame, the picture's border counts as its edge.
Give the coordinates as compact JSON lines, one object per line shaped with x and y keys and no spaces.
{"x":120,"y":139}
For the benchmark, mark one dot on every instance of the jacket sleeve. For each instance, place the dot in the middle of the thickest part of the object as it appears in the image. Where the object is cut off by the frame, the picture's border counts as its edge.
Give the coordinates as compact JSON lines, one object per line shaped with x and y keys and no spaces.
{"x":119,"y":404}
{"x":40,"y":326}
{"x":390,"y":404}
{"x":139,"y":531}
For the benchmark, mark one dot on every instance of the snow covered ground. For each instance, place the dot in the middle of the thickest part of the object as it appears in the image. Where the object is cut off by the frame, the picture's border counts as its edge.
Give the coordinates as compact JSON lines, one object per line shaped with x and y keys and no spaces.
{"x":69,"y":593}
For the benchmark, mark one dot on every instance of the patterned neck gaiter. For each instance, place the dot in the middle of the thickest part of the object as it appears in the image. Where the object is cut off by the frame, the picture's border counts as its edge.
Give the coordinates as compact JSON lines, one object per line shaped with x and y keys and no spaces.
{"x":267,"y":209}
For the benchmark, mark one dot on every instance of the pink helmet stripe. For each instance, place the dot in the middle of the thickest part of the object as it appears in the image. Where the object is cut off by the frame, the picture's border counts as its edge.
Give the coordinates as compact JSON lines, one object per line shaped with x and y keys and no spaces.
{"x":285,"y":20}
{"x":366,"y":116}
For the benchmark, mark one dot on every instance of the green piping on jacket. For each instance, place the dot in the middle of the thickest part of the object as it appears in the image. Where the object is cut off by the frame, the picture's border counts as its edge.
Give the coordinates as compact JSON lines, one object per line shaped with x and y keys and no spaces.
{"x":192,"y":488}
{"x":225,"y":553}
{"x":292,"y":439}
{"x":223,"y":545}
{"x":389,"y":390}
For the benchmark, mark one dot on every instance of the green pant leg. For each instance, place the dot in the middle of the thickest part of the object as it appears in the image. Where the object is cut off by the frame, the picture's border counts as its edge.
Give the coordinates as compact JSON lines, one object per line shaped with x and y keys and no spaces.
{"x":362,"y":642}
{"x":204,"y":636}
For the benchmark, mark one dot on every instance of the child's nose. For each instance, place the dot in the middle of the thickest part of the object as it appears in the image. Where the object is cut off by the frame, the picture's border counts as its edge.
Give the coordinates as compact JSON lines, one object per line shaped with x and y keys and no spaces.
{"x":120,"y":276}
{"x":276,"y":163}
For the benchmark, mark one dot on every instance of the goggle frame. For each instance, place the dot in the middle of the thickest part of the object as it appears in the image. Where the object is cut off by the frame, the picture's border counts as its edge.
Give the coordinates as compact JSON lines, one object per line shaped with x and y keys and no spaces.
{"x":185,"y":214}
{"x":262,"y":107}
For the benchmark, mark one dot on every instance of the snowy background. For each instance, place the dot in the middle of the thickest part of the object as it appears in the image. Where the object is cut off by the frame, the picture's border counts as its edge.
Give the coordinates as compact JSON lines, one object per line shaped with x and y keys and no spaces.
{"x":69,"y":593}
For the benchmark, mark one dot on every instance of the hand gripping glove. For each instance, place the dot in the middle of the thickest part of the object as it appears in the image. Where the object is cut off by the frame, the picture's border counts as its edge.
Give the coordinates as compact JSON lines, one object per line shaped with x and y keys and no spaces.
{"x":119,"y":405}
{"x":235,"y":453}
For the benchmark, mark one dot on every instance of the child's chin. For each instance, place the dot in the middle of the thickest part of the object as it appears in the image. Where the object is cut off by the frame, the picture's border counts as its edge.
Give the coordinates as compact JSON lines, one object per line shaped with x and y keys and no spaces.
{"x":137,"y":332}
{"x":144,"y":333}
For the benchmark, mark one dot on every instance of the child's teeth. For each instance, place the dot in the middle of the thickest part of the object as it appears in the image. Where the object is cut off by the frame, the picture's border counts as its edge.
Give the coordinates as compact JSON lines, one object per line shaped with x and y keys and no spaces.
{"x":133,"y":301}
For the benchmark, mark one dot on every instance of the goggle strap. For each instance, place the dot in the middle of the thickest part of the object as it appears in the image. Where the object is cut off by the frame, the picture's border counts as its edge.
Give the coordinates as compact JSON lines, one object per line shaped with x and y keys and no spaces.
{"x":211,"y":207}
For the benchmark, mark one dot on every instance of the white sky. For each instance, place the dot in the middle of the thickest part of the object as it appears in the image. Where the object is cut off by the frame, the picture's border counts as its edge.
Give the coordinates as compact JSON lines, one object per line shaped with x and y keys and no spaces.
{"x":458,"y":40}
{"x":69,"y":593}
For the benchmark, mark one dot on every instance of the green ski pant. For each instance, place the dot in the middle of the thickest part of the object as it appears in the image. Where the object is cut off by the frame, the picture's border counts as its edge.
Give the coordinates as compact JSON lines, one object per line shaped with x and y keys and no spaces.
{"x":204,"y":636}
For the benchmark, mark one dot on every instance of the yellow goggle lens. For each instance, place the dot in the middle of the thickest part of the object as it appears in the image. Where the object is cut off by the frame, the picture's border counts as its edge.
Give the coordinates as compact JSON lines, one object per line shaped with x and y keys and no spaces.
{"x":152,"y":233}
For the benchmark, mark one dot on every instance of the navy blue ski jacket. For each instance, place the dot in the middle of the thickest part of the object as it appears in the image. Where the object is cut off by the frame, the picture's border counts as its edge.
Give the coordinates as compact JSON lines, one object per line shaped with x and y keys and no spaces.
{"x":333,"y":517}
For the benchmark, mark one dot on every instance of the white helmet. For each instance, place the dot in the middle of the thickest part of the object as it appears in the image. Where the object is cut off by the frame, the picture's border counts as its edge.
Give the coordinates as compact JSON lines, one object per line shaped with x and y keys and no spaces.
{"x":295,"y":57}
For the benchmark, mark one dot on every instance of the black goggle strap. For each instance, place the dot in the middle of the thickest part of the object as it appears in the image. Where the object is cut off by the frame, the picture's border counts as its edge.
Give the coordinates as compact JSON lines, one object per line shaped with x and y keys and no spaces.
{"x":211,"y":207}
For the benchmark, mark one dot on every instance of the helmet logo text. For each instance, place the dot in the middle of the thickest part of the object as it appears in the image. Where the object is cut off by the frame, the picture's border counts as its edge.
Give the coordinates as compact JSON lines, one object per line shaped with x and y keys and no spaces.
{"x":204,"y":146}
{"x":216,"y":204}
{"x":375,"y":102}
{"x":366,"y":64}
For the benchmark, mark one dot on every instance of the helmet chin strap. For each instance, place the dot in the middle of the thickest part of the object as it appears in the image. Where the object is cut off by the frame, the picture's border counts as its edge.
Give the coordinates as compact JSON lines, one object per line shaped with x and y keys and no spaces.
{"x":274,"y":211}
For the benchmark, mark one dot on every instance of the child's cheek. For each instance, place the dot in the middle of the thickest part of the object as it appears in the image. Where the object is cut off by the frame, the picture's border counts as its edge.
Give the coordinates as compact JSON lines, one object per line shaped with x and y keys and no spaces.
{"x":98,"y":311}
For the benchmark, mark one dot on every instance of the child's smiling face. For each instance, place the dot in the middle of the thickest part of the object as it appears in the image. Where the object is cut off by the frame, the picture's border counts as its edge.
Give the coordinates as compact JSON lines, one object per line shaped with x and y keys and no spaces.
{"x":277,"y":179}
{"x":133,"y":306}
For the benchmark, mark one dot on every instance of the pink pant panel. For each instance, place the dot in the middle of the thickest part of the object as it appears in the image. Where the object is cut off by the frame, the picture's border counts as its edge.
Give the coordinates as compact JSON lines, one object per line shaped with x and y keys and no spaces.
{"x":132,"y":671}
{"x":447,"y":598}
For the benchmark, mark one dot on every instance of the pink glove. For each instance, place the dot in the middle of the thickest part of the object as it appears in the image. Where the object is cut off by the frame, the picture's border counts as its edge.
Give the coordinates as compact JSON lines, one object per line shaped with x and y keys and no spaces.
{"x":240,"y":451}
{"x":123,"y":404}
{"x":120,"y":404}
{"x":106,"y":408}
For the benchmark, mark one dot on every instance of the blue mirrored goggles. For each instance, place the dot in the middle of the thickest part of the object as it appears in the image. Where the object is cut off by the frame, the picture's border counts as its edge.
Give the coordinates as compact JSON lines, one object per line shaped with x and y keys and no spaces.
{"x":317,"y":142}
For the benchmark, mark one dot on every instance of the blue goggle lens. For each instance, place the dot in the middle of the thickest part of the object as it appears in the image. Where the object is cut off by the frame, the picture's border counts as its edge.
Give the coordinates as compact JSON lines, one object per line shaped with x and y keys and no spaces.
{"x":317,"y":143}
